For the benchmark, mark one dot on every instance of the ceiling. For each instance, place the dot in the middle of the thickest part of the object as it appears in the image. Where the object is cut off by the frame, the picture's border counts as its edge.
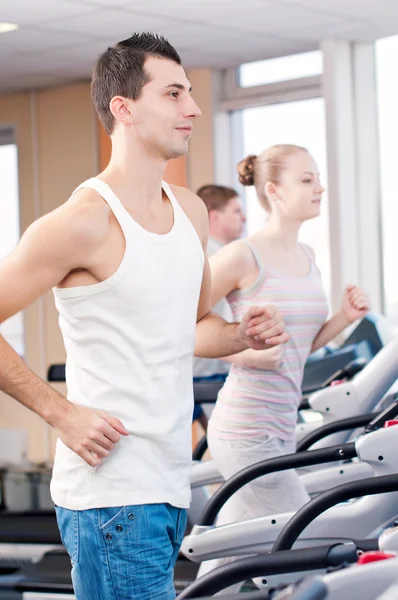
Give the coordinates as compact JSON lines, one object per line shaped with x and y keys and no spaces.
{"x":59,"y":40}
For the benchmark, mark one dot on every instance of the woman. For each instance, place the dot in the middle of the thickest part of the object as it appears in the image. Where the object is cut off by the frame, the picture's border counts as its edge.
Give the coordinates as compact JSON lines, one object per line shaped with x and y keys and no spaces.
{"x":256,"y":411}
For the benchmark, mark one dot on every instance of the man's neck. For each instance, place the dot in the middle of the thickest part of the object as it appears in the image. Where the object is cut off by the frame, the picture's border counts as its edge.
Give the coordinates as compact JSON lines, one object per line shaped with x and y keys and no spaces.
{"x":134,"y":176}
{"x":218,"y":238}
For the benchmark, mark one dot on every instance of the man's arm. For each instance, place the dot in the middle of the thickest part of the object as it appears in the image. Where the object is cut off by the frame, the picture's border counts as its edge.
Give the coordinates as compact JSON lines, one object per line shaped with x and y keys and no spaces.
{"x":49,"y":250}
{"x":268,"y":359}
{"x":261,"y":327}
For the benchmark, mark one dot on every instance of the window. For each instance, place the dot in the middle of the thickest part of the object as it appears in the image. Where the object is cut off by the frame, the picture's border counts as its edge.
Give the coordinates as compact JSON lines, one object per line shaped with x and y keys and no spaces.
{"x":283,"y":68}
{"x":387,"y":96}
{"x":12,"y":329}
{"x":301,"y":123}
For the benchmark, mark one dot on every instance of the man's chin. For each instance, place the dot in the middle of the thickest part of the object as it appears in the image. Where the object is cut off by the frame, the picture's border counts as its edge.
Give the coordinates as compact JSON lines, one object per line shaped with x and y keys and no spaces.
{"x":177,"y":151}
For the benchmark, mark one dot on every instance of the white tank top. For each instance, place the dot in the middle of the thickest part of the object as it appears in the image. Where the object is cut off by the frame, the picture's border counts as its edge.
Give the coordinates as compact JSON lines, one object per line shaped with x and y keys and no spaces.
{"x":129,"y":342}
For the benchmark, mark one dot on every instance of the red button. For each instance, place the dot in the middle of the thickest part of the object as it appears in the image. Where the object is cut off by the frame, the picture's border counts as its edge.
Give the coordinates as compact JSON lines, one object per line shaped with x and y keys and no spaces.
{"x":337,"y":382}
{"x":368,"y":557}
{"x":391,"y":423}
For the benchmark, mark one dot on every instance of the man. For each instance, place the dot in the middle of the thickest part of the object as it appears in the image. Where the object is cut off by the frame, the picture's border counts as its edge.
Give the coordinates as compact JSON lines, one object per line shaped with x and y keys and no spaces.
{"x":226,"y":221}
{"x":125,"y":256}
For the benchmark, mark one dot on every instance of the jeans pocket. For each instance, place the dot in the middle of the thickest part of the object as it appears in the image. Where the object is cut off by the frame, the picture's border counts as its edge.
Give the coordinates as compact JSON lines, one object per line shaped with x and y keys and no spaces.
{"x":107,"y":515}
{"x":68,"y":525}
{"x":121,"y":527}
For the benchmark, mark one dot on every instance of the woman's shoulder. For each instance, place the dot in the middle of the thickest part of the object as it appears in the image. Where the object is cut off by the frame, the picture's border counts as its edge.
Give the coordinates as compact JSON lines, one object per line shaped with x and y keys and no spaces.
{"x":237,"y":259}
{"x":236,"y":253}
{"x":308,"y":250}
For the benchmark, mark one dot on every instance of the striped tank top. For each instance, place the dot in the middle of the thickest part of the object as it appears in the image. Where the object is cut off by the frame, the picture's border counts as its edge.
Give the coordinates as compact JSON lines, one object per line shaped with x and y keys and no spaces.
{"x":254,"y":401}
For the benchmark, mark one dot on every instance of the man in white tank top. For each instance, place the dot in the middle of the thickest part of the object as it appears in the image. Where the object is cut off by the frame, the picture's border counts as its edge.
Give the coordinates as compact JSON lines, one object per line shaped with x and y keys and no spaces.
{"x":125,"y":256}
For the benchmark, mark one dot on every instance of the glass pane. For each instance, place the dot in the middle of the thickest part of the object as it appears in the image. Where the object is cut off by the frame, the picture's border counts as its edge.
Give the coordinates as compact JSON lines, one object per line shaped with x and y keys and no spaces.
{"x":12,"y":329}
{"x":283,"y":68}
{"x":387,"y":94}
{"x":301,"y":123}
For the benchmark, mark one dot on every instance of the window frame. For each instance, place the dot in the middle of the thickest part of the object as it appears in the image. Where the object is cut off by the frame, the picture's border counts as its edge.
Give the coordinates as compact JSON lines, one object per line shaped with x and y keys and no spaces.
{"x":8,"y":137}
{"x":235,"y":97}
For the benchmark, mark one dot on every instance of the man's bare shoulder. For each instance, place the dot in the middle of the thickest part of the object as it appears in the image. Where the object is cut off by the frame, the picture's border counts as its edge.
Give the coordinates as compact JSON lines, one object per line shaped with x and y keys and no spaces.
{"x":193,"y":206}
{"x":83,"y":219}
{"x":88,"y":214}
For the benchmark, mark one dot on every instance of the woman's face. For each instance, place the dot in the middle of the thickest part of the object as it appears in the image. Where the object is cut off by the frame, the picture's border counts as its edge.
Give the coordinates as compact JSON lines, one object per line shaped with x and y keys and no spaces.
{"x":298,"y":195}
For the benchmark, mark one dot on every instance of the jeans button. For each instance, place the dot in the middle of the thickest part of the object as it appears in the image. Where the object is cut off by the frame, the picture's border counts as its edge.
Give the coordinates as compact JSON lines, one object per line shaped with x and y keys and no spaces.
{"x":108,"y":537}
{"x":119,"y":528}
{"x":131,"y":516}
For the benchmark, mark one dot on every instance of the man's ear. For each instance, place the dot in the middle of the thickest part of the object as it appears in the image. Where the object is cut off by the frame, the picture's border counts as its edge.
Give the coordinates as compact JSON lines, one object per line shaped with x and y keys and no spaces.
{"x":120,"y":110}
{"x":213,"y":216}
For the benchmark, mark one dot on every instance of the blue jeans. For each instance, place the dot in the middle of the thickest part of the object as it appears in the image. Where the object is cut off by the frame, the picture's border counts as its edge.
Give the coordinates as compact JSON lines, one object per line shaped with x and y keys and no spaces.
{"x":123,"y":553}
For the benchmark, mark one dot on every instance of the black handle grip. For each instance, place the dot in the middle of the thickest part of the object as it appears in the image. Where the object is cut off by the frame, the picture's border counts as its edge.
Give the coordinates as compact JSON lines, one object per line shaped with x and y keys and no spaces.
{"x":272,"y":465}
{"x":303,"y":559}
{"x":200,"y":448}
{"x":341,"y":493}
{"x":371,"y":421}
{"x":334,"y":427}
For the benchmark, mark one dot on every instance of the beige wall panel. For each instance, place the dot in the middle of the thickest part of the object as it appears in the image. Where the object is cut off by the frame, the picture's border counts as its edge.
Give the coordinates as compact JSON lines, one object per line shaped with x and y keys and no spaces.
{"x":57,"y":149}
{"x":201,"y":152}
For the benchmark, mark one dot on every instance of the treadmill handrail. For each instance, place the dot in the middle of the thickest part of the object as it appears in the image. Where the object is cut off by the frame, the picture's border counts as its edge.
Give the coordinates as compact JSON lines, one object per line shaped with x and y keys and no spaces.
{"x":273,"y":465}
{"x":309,"y":589}
{"x":334,"y":427}
{"x":200,"y":448}
{"x":378,"y":375}
{"x":315,"y":507}
{"x":302,"y":559}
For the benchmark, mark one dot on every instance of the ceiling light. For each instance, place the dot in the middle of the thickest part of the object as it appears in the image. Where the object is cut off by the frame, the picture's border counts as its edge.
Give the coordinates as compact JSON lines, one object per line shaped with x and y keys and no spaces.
{"x":6,"y":27}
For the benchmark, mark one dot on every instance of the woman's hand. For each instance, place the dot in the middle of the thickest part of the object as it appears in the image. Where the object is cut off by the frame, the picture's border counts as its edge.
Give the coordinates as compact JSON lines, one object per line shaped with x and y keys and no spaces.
{"x":356,"y":303}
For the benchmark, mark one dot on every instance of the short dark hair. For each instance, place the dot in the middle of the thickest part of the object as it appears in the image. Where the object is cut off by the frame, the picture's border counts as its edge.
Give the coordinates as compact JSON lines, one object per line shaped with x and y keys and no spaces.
{"x":216,"y":197}
{"x":120,"y":71}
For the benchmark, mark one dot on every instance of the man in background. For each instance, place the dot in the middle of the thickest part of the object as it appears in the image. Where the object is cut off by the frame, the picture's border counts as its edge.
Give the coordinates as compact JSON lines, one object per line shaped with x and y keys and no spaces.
{"x":226,"y":222}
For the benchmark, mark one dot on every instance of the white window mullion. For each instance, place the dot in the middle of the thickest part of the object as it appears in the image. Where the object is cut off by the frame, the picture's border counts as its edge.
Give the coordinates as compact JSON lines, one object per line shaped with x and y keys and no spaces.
{"x":368,"y":177}
{"x":353,"y":183}
{"x":338,"y":91}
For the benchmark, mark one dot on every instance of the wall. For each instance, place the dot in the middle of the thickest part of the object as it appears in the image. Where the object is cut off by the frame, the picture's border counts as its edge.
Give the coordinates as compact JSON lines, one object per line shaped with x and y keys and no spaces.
{"x":200,"y":159}
{"x":16,"y":110}
{"x":57,"y":149}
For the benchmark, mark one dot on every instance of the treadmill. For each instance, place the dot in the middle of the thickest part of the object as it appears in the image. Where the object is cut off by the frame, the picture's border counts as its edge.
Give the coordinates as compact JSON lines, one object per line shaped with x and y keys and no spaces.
{"x":25,"y":537}
{"x":364,"y":342}
{"x":50,"y":578}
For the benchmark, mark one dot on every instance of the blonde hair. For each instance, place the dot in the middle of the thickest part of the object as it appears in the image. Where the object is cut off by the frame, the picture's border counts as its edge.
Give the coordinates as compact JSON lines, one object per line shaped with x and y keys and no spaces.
{"x":267,"y":166}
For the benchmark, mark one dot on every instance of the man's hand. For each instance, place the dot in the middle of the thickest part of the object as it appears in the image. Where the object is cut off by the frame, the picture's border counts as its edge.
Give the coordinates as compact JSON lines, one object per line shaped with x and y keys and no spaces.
{"x":263,"y":327}
{"x":91,"y":434}
{"x":267,"y":360}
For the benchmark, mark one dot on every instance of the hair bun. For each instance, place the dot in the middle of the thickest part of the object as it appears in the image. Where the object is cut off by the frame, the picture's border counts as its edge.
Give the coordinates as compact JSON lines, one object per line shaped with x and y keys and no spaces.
{"x":246,"y":170}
